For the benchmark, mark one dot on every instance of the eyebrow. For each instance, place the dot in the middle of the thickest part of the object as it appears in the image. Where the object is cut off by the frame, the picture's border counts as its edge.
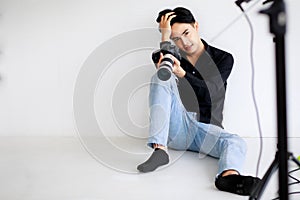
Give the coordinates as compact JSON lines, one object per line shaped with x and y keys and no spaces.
{"x":184,"y":31}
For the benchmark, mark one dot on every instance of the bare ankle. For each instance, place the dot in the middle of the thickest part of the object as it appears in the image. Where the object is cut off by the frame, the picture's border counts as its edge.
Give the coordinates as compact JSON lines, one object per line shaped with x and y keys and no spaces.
{"x":230,"y":172}
{"x":155,"y":146}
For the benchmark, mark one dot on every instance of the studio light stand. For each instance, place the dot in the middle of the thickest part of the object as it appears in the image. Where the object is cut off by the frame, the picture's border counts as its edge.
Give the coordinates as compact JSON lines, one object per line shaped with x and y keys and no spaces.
{"x":277,"y":15}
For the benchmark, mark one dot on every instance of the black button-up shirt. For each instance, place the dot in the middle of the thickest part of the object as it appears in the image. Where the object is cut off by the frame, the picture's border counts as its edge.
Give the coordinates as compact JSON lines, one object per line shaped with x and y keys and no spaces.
{"x":202,"y":90}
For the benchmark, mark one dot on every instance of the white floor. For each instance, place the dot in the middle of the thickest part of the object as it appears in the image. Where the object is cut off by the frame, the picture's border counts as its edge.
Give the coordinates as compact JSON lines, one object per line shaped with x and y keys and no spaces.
{"x":45,"y":168}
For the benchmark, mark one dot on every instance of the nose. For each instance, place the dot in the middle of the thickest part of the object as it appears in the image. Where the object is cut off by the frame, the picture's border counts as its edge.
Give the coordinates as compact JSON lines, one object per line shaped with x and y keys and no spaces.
{"x":184,"y":41}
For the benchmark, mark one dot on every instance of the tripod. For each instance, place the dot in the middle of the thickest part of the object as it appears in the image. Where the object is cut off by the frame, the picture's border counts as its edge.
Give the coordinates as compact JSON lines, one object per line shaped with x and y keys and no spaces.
{"x":277,"y":15}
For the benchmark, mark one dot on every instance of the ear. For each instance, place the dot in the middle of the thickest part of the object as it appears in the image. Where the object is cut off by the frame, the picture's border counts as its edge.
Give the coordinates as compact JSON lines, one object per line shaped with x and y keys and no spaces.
{"x":196,"y":26}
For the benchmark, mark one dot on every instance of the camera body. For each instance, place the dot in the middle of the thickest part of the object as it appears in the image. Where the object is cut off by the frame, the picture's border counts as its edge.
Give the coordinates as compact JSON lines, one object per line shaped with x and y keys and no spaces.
{"x":165,"y":68}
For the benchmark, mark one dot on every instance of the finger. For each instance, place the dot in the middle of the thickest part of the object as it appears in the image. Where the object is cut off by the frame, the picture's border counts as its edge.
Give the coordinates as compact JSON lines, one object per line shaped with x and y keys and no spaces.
{"x":161,"y":57}
{"x":171,"y":17}
{"x":176,"y":61}
{"x":159,"y":61}
{"x":166,"y":16}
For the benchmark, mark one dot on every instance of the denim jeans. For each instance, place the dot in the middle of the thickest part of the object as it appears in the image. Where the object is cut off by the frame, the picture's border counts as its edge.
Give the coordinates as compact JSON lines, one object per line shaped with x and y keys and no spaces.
{"x":173,"y":126}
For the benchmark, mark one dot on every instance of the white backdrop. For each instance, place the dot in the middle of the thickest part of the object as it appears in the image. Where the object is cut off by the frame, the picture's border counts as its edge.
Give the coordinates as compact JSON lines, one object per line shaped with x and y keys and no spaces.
{"x":44,"y":45}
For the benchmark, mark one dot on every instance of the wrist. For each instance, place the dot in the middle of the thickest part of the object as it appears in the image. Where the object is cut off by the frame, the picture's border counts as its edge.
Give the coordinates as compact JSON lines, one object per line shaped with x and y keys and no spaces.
{"x":165,"y":36}
{"x":165,"y":39}
{"x":182,"y":74}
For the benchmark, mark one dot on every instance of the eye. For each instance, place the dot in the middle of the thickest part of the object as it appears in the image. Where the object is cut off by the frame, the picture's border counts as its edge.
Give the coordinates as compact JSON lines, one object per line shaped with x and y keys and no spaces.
{"x":186,"y":33}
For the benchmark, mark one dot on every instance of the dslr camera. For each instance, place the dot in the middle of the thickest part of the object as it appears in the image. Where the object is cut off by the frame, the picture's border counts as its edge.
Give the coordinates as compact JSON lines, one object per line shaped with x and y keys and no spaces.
{"x":165,"y":68}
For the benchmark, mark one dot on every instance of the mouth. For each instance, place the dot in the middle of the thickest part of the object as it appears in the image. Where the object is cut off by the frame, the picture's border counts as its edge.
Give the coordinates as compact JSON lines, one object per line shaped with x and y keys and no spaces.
{"x":188,"y":47}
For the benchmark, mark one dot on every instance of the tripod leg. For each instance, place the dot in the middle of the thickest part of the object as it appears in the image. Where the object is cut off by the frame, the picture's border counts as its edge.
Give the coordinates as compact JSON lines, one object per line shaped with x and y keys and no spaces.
{"x":259,"y":189}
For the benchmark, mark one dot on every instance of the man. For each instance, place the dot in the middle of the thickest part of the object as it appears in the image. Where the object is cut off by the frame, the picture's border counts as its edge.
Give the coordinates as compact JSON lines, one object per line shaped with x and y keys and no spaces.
{"x":186,"y":110}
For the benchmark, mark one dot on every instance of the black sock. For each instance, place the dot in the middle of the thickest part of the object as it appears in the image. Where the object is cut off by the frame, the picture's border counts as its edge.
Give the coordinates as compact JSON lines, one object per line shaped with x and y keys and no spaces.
{"x":158,"y":158}
{"x":237,"y":184}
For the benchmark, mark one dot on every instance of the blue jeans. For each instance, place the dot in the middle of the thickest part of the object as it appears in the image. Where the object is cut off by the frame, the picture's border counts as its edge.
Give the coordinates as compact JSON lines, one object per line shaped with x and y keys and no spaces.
{"x":173,"y":126}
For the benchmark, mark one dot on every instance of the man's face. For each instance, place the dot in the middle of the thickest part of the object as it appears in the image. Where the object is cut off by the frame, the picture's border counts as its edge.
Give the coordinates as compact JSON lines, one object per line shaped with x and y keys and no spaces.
{"x":186,"y":37}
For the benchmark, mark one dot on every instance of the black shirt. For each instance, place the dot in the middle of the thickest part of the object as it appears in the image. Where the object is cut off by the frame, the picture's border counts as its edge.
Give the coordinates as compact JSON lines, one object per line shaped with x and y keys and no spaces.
{"x":202,"y":90}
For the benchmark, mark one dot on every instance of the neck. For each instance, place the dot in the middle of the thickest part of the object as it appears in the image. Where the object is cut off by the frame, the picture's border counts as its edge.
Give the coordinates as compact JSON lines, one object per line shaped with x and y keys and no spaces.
{"x":194,"y":56}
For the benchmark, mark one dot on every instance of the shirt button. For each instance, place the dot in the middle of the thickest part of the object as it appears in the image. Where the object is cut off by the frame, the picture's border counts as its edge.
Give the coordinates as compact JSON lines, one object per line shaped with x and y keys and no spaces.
{"x":194,"y":72}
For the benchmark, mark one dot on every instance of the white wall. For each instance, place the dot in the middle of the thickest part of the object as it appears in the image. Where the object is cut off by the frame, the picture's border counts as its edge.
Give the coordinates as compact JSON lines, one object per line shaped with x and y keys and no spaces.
{"x":44,"y":45}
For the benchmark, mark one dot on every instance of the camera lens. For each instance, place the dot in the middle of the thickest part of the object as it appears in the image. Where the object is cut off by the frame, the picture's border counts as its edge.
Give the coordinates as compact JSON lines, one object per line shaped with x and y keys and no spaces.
{"x":165,"y":69}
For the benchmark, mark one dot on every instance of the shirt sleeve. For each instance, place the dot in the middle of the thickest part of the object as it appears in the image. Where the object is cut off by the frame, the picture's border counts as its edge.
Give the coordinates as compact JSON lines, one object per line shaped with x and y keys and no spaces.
{"x":173,"y":49}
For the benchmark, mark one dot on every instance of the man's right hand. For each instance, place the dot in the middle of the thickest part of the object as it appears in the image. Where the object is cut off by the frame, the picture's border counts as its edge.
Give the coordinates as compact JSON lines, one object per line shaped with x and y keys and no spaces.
{"x":165,"y":26}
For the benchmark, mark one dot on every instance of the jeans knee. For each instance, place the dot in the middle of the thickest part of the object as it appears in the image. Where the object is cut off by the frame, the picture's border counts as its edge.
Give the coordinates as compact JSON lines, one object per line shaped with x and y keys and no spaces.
{"x":242,"y":144}
{"x":239,"y":143}
{"x":154,"y":78}
{"x":169,"y":82}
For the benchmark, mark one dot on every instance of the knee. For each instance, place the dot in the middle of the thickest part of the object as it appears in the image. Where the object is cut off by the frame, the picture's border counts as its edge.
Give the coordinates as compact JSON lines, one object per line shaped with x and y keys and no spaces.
{"x":238,"y":143}
{"x":154,"y":78}
{"x":169,"y":82}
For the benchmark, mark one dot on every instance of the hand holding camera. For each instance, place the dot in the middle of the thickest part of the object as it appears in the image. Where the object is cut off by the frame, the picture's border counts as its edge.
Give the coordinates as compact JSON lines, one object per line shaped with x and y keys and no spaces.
{"x":167,"y":64}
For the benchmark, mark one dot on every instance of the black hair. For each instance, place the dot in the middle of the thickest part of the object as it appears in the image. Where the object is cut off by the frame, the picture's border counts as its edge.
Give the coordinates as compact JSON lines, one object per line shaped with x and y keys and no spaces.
{"x":183,"y":15}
